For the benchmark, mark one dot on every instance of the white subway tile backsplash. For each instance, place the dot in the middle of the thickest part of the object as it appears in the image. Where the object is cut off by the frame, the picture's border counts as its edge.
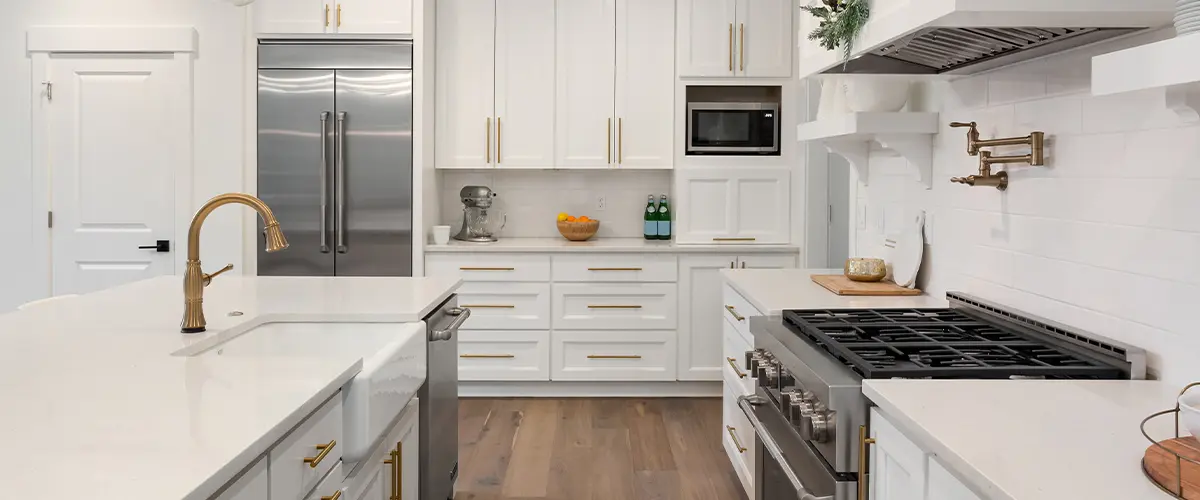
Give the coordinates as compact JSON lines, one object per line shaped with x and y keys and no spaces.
{"x":1104,"y":238}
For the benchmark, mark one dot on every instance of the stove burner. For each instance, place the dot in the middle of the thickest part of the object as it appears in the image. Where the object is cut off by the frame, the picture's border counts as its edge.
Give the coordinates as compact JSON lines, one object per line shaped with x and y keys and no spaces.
{"x":936,"y":343}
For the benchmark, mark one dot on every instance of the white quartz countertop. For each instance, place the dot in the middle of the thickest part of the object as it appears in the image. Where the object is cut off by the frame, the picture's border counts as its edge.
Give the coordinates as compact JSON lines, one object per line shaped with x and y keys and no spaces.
{"x":772,"y":291}
{"x":614,"y":245}
{"x":1033,"y":439}
{"x":95,"y":406}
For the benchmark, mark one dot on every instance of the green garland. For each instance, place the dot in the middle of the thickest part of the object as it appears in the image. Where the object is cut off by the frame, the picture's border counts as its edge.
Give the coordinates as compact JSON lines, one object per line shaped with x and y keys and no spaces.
{"x":841,"y":22}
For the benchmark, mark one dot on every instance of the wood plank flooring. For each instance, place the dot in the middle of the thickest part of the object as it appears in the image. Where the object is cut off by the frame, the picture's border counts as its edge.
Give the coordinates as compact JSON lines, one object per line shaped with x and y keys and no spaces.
{"x":598,"y":449}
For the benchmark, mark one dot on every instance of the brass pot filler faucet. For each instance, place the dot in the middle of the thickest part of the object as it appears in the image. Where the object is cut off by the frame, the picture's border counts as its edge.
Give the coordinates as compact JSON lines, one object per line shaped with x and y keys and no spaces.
{"x":194,"y":278}
{"x":985,"y":177}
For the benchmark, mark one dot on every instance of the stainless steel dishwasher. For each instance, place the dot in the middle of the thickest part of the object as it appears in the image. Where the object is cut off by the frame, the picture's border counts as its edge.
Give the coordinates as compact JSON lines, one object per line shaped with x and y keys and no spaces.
{"x":439,"y":402}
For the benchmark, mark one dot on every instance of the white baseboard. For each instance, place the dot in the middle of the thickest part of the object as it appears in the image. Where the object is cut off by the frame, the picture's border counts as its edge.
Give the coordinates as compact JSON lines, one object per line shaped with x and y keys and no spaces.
{"x":588,"y":389}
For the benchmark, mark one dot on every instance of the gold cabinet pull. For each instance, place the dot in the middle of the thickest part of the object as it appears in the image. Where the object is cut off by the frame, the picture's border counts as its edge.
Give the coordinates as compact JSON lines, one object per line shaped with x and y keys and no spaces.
{"x":863,"y":443}
{"x":608,"y":139}
{"x":614,"y":269}
{"x":614,"y":356}
{"x":733,"y":239}
{"x":736,"y":442}
{"x":614,"y":307}
{"x":620,"y":140}
{"x":487,"y":269}
{"x":488,"y":306}
{"x":486,"y":356}
{"x":742,"y":47}
{"x":487,"y":141}
{"x":393,"y":495}
{"x":731,"y":47}
{"x":326,"y":15}
{"x":398,"y":483}
{"x":732,"y":311}
{"x":324,"y":450}
{"x":498,"y":142}
{"x":738,"y":371}
{"x":339,"y":15}
{"x":335,"y":496}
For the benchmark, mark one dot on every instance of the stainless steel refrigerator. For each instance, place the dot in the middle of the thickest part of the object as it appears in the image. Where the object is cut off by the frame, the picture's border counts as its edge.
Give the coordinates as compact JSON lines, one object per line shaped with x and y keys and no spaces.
{"x":335,"y":141}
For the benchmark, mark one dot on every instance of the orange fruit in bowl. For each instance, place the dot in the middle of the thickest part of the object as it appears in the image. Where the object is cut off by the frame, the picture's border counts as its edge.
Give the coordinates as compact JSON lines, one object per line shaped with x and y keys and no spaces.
{"x":571,"y":218}
{"x":583,"y":218}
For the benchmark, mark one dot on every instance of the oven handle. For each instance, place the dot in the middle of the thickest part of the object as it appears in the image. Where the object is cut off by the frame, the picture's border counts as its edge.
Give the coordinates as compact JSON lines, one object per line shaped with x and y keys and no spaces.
{"x":747,"y":403}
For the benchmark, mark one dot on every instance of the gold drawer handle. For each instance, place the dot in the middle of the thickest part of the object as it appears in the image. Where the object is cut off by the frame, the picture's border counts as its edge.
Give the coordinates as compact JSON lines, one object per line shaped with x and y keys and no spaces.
{"x":324,"y":450}
{"x":486,"y":356}
{"x":863,"y":443}
{"x":614,"y":307}
{"x":736,"y":442}
{"x":614,"y":269}
{"x":738,"y":371}
{"x":487,"y":306}
{"x":335,"y":496}
{"x":623,"y":356}
{"x":732,"y":311}
{"x":734,"y":239}
{"x":396,"y":462}
{"x":487,"y":269}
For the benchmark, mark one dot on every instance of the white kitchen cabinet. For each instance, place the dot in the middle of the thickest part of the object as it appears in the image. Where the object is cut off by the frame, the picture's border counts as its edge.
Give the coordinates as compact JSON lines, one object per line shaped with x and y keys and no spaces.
{"x":628,"y":355}
{"x":380,"y":17}
{"x":766,"y":261}
{"x":737,"y":437}
{"x":489,"y":355}
{"x":495,"y":79}
{"x":898,"y":467}
{"x":645,"y":91}
{"x":586,"y":83}
{"x":727,"y":38}
{"x":733,"y":205}
{"x":614,"y":306}
{"x":330,"y":487}
{"x":944,"y":486}
{"x":392,"y":469}
{"x":253,"y":485}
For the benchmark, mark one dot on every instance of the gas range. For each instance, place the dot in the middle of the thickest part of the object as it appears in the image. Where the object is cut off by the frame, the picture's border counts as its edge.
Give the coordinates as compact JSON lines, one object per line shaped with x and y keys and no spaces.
{"x":809,"y":409}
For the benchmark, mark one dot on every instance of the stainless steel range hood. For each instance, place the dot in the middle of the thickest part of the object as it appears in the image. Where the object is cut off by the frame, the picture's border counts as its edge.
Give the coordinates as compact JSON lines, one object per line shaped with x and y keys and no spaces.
{"x":959,"y":51}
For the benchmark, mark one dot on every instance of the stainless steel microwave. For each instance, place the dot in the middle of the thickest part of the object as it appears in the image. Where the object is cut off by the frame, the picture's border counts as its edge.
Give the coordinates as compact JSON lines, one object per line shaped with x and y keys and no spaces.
{"x":733,"y":128}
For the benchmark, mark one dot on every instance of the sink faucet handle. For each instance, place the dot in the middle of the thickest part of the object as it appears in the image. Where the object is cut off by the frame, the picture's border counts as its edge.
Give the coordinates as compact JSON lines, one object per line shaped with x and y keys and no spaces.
{"x":209,"y":277}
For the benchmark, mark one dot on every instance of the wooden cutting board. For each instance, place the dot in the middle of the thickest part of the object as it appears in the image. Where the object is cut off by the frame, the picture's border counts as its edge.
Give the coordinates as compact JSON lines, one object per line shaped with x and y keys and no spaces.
{"x":842,"y":285}
{"x":1160,"y":465}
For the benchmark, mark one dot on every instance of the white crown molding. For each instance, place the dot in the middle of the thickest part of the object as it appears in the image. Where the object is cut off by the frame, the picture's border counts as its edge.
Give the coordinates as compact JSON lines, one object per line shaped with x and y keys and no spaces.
{"x":112,"y":39}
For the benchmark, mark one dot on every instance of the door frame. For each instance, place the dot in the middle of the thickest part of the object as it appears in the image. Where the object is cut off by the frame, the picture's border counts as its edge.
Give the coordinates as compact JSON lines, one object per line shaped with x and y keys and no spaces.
{"x":42,"y":43}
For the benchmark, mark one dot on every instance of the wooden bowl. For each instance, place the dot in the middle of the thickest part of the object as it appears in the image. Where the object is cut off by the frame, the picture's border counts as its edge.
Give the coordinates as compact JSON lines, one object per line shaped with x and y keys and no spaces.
{"x":578,"y":231}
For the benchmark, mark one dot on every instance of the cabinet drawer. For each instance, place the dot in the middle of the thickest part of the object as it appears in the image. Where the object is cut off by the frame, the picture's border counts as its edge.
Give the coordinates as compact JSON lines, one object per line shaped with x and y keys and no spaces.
{"x":738,"y":311}
{"x":613,"y":355}
{"x":506,"y":306}
{"x":615,"y":306}
{"x":737,"y":437}
{"x":328,"y":487}
{"x":252,"y":485}
{"x":503,"y":355}
{"x":308,"y":453}
{"x":734,"y":362}
{"x":490,"y":267}
{"x":615,"y":268}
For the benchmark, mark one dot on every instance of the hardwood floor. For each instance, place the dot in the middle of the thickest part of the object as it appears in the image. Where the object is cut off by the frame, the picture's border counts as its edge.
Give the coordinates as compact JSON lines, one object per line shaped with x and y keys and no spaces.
{"x":600,"y":449}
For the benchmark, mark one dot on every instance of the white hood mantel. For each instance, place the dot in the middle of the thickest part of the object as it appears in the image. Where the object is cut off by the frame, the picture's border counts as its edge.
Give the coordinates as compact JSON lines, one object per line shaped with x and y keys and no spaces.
{"x":894,"y":23}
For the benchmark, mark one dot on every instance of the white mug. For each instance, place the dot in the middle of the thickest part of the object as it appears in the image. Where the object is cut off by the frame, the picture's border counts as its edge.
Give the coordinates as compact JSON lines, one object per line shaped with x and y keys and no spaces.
{"x":441,"y":235}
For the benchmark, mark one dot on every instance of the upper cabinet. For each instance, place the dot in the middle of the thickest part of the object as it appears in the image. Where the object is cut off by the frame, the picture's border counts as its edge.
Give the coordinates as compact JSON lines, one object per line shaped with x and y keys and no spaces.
{"x":615,"y":84}
{"x":726,"y":38}
{"x":495,"y":80}
{"x":369,"y":17}
{"x":733,"y":205}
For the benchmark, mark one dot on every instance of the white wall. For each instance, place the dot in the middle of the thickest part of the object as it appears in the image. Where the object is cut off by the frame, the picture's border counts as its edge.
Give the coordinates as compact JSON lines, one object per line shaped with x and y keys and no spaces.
{"x":218,"y":130}
{"x":1105,"y":238}
{"x":532,"y":199}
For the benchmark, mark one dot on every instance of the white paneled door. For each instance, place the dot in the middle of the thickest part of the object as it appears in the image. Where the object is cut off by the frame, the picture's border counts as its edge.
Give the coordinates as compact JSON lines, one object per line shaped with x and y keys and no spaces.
{"x":764,"y":34}
{"x":524,"y":84}
{"x":585,"y":51}
{"x":645,"y":91}
{"x":118,"y":129}
{"x":700,"y":309}
{"x":706,"y":37}
{"x":466,"y":50}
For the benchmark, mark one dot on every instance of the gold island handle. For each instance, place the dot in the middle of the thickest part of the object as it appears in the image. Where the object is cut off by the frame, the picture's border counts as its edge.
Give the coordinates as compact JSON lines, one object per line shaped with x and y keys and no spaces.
{"x":324,"y":450}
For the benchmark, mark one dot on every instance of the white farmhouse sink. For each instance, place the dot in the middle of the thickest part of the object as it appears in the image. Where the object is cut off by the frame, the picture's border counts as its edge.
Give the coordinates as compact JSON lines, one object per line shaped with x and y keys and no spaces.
{"x":394,"y":362}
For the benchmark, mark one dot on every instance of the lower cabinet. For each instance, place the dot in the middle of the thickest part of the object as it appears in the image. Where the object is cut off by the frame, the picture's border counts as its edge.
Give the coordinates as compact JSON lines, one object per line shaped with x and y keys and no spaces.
{"x":254,"y":484}
{"x":613,"y":355}
{"x":330,"y":488}
{"x":503,"y":355}
{"x":392,"y":470}
{"x":902,"y":470}
{"x":737,"y":438}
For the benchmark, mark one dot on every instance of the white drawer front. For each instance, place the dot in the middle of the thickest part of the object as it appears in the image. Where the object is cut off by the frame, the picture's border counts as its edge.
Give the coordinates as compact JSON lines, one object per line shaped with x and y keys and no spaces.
{"x":738,"y":312}
{"x":613,"y":355}
{"x":489,"y":267}
{"x":503,"y":355}
{"x":328,"y":486}
{"x":296,"y":462}
{"x":734,"y":362}
{"x":737,"y":436}
{"x":593,"y":268}
{"x":506,"y":306}
{"x":615,"y":306}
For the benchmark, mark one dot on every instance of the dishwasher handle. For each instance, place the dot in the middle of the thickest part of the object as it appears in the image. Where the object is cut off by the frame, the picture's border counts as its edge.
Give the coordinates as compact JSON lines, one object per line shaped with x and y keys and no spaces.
{"x":460,"y":315}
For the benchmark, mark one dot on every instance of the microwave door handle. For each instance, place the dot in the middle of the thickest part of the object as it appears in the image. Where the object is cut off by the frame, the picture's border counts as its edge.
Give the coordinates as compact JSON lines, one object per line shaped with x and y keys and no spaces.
{"x":747,"y":404}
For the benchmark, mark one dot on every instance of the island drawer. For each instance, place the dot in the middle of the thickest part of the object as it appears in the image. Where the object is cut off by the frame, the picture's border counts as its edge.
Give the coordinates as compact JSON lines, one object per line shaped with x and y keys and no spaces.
{"x":615,"y":268}
{"x":328,"y":487}
{"x":612,"y":355}
{"x":506,"y":306}
{"x":488,"y":355}
{"x":490,"y":267}
{"x":738,"y":311}
{"x":733,"y":363}
{"x":306,"y":455}
{"x":615,"y":306}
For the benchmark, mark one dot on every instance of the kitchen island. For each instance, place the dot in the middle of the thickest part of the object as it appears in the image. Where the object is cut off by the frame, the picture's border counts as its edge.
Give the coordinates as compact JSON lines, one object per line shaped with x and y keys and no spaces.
{"x":102,"y":403}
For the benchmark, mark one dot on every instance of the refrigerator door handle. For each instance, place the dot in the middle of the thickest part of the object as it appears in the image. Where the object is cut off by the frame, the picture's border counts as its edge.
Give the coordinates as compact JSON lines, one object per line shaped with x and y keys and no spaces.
{"x":323,"y":220}
{"x":340,"y":181}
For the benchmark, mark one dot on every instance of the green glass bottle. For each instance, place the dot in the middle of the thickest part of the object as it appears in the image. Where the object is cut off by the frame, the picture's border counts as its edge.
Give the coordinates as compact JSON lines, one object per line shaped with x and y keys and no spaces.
{"x":664,"y":218}
{"x":650,"y":227}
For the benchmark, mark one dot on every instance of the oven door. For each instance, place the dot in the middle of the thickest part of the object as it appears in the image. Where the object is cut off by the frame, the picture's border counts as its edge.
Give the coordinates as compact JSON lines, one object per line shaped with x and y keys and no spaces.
{"x":733,"y":128}
{"x":786,"y":468}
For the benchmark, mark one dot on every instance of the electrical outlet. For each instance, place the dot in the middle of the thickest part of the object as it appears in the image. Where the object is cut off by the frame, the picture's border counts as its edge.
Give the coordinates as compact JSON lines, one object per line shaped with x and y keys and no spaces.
{"x":600,"y":203}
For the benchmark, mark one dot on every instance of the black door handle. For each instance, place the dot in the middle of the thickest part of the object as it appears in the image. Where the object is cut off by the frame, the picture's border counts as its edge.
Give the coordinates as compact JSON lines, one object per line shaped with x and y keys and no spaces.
{"x":158,"y":246}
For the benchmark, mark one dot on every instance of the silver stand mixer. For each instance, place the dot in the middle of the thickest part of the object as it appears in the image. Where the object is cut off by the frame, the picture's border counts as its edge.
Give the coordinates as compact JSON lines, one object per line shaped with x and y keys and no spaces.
{"x":476,"y":226}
